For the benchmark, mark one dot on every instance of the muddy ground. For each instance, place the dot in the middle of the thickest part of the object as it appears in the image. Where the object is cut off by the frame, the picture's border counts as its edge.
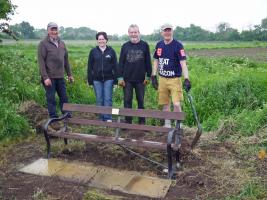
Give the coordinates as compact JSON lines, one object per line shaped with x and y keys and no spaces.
{"x":258,"y":54}
{"x":214,"y":170}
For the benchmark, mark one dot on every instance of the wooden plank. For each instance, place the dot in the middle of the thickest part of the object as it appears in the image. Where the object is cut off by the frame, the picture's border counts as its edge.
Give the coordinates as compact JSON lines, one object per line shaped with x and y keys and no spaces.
{"x":119,"y":125}
{"x":124,"y":111}
{"x":110,"y":140}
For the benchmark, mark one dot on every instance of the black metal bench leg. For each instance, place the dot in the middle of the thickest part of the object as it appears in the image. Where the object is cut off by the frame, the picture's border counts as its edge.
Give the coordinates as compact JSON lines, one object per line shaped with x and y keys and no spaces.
{"x":169,"y":156}
{"x":65,"y":141}
{"x":48,"y":146}
{"x":178,"y":139}
{"x":66,"y":128}
{"x":177,"y":156}
{"x":169,"y":153}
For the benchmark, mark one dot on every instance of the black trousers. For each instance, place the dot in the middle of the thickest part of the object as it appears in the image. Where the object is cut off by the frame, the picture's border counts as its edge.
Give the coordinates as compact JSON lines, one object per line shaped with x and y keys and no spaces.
{"x":139,"y":88}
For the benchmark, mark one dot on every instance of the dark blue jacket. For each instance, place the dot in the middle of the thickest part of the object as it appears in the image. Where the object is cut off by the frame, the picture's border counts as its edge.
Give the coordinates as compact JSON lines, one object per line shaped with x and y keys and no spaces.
{"x":101,"y":65}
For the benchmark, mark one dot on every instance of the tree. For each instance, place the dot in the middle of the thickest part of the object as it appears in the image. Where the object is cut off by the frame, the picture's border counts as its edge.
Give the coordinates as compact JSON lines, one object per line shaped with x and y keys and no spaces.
{"x":6,"y":10}
{"x":222,"y":27}
{"x":23,"y":30}
{"x":264,"y":23}
{"x":226,"y":33}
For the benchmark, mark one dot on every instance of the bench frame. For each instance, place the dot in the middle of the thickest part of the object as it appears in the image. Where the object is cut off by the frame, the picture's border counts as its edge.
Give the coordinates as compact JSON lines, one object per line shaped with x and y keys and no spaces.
{"x":172,"y":145}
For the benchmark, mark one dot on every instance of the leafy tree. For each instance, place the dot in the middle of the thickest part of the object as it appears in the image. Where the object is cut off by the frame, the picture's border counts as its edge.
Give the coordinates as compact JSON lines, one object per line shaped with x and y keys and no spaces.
{"x":222,"y":27}
{"x":264,"y":23}
{"x":6,"y":10}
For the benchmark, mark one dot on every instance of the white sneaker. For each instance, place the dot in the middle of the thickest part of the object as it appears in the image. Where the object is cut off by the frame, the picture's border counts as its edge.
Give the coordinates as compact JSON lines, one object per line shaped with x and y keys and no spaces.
{"x":167,"y":123}
{"x":109,"y":120}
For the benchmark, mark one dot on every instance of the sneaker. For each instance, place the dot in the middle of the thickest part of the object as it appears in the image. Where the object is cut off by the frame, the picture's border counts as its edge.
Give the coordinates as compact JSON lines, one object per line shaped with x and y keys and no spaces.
{"x":109,"y":120}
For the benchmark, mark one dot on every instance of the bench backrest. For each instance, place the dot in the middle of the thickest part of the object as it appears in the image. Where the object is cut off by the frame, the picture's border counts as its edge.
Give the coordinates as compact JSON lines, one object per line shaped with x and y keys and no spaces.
{"x":124,"y":111}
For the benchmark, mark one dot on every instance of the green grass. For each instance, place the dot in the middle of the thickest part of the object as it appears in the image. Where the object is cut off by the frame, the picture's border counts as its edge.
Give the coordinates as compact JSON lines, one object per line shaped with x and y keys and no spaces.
{"x":251,"y":191}
{"x":12,"y":125}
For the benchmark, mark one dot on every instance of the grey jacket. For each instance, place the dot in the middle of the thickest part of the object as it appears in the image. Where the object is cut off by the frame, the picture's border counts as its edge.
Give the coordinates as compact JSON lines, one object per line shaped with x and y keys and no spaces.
{"x":53,"y":60}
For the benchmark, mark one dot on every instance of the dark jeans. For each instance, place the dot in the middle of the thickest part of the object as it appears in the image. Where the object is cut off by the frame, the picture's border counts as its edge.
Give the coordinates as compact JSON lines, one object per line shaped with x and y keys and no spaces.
{"x":59,"y":86}
{"x":103,"y":93}
{"x":128,"y":98}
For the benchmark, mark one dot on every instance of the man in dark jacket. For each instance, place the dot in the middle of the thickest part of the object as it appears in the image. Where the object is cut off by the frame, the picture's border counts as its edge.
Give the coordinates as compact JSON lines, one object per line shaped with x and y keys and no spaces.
{"x":53,"y":61}
{"x":134,"y":70}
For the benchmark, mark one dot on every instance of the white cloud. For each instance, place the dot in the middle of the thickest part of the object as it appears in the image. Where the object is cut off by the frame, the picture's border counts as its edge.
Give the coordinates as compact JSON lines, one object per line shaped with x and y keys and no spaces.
{"x":114,"y":16}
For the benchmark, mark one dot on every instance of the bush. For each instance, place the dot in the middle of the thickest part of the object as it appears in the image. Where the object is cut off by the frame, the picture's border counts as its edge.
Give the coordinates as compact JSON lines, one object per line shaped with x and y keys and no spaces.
{"x":11,"y":123}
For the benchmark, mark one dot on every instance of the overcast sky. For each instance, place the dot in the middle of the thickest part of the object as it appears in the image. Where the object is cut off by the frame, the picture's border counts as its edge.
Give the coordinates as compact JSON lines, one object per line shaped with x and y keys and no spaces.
{"x":114,"y":16}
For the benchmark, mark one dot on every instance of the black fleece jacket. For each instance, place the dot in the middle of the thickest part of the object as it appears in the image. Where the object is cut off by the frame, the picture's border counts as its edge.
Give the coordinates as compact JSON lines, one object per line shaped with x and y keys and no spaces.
{"x":135,"y":62}
{"x":101,"y":65}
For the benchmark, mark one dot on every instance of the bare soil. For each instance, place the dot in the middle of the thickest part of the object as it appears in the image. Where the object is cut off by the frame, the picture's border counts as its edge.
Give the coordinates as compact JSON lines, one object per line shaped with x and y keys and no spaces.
{"x":257,"y":54}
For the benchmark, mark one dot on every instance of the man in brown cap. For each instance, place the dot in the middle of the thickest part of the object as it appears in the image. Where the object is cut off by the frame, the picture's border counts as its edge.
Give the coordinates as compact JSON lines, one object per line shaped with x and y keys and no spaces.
{"x":53,"y":61}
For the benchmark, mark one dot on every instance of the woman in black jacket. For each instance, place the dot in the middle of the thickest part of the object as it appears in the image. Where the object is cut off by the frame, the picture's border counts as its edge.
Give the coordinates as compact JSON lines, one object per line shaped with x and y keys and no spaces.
{"x":101,"y":72}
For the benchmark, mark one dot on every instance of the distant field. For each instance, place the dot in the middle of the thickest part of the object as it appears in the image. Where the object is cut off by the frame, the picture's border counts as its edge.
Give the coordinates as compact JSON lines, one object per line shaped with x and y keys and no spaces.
{"x":188,"y":44}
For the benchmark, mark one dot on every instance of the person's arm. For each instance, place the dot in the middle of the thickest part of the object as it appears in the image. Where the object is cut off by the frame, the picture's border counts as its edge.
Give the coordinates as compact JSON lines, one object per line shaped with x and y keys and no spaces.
{"x":184,"y":69}
{"x":155,"y":67}
{"x":90,"y":65}
{"x":67,"y":66}
{"x":148,"y":63}
{"x":182,"y":58}
{"x":121,"y":64}
{"x":154,"y":79}
{"x":41,"y":60}
{"x":121,"y":67}
{"x":114,"y":66}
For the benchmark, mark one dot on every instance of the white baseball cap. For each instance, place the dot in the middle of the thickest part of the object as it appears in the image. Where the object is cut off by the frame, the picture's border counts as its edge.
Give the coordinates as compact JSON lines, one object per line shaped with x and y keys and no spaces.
{"x":52,"y":25}
{"x":165,"y":26}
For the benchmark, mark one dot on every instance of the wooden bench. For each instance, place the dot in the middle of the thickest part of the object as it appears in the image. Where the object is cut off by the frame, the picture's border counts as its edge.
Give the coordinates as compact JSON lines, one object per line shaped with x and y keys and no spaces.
{"x":173,"y":135}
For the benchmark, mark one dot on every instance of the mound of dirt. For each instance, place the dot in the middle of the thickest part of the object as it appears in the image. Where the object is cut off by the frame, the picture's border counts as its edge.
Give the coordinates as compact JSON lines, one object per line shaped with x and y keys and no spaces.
{"x":36,"y":114}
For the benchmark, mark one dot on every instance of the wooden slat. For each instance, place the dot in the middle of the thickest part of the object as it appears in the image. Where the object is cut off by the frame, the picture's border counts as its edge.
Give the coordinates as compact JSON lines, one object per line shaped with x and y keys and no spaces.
{"x":124,"y":111}
{"x":110,"y":140}
{"x":119,"y":125}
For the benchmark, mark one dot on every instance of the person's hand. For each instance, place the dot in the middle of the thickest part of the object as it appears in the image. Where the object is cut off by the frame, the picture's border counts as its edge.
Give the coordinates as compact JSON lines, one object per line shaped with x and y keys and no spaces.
{"x":187,"y":85}
{"x":70,"y":79}
{"x":47,"y":82}
{"x":146,"y":81}
{"x":121,"y":83}
{"x":154,"y":82}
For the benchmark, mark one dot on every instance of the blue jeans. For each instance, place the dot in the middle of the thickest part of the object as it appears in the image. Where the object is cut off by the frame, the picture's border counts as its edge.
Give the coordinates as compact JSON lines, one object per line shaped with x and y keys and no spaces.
{"x":103,"y":93}
{"x":59,"y":86}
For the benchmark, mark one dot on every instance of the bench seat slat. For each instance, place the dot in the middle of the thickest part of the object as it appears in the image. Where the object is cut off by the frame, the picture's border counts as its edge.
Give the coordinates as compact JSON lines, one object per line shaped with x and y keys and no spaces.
{"x":110,"y":140}
{"x":124,"y":111}
{"x":119,"y":125}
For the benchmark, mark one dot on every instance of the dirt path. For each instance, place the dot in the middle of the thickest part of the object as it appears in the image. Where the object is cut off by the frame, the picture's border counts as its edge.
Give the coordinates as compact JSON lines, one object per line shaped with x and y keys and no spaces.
{"x":259,"y":53}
